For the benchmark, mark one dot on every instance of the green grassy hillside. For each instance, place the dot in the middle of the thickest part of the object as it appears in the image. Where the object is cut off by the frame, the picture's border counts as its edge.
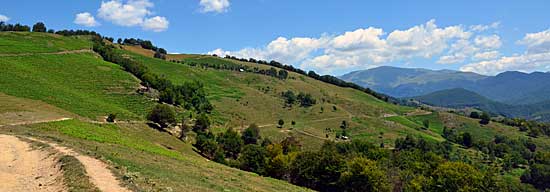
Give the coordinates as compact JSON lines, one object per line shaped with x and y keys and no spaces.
{"x":242,"y":98}
{"x":41,"y":85}
{"x":82,"y":86}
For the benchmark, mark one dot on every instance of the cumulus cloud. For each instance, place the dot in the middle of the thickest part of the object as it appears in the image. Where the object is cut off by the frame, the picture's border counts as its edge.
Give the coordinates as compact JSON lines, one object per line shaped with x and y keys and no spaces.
{"x":218,"y":6}
{"x":156,"y":24}
{"x":486,"y":55}
{"x":524,"y":62}
{"x":132,"y":13}
{"x":537,"y":57}
{"x":86,"y":19}
{"x":537,"y":42}
{"x":480,"y":28}
{"x":368,"y":47}
{"x":488,"y":42}
{"x":4,"y":18}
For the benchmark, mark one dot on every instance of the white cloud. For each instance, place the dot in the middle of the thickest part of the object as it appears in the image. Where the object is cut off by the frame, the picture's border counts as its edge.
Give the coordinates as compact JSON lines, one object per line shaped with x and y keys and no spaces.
{"x":4,"y":18}
{"x":488,"y":42}
{"x":536,"y":58}
{"x":524,"y":62}
{"x":156,"y":24}
{"x":218,"y":6}
{"x":480,"y":28}
{"x":86,"y":19}
{"x":486,"y":55}
{"x":370,"y":47}
{"x":537,"y":42}
{"x":132,"y":13}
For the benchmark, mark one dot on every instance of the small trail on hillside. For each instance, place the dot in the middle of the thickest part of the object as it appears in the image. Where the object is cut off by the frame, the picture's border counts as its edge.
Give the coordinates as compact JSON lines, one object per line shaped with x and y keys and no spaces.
{"x":97,"y":170}
{"x":37,"y":121}
{"x":23,"y":169}
{"x":48,"y":53}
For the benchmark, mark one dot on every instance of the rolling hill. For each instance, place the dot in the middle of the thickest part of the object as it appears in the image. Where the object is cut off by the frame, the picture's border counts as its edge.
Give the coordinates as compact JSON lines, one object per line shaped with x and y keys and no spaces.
{"x":62,"y":92}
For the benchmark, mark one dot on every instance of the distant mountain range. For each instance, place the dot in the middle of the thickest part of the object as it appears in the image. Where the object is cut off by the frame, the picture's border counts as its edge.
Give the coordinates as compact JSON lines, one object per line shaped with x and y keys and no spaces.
{"x":514,"y":94}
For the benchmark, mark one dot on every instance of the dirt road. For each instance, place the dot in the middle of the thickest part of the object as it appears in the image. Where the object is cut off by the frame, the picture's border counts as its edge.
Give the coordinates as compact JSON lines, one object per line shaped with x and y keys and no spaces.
{"x":99,"y":173}
{"x":23,"y":169}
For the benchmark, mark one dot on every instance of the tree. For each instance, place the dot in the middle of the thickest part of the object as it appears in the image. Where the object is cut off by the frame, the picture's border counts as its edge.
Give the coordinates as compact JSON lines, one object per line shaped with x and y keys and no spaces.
{"x":467,"y":140}
{"x":456,"y":176}
{"x":281,"y":122}
{"x":364,"y":175}
{"x":289,"y":96}
{"x":111,"y":118}
{"x":39,"y":27}
{"x":231,"y":143}
{"x":485,"y":118}
{"x":538,"y":175}
{"x":251,"y":135}
{"x":279,"y":165}
{"x":119,"y":41}
{"x":202,"y":123}
{"x":474,"y":114}
{"x":206,"y":144}
{"x":253,"y":158}
{"x":162,"y":114}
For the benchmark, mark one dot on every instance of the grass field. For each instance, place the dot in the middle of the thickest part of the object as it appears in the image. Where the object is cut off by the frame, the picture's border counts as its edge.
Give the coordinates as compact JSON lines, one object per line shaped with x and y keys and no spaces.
{"x":84,"y":87}
{"x":242,"y":98}
{"x":79,"y":83}
{"x":26,"y":42}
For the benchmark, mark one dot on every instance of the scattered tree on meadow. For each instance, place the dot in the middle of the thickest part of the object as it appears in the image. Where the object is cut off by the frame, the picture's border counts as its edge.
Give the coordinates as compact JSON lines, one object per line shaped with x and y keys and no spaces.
{"x":39,"y":27}
{"x":467,"y":140}
{"x":251,"y":135}
{"x":280,"y":123}
{"x":485,"y":118}
{"x":474,"y":114}
{"x":162,"y":114}
{"x":230,"y":141}
{"x":111,"y":118}
{"x":202,"y":123}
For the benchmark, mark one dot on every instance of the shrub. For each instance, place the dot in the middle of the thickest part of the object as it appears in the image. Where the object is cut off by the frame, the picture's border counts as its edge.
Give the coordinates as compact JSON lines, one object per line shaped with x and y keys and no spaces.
{"x":111,"y":118}
{"x":162,"y":114}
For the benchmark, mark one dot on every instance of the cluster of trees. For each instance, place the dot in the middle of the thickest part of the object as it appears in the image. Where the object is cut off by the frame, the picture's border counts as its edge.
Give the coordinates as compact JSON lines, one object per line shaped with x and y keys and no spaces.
{"x":12,"y":27}
{"x":38,"y":27}
{"x":511,"y":152}
{"x":414,"y":165}
{"x":484,"y":117}
{"x":533,"y":128}
{"x":273,"y":72}
{"x":190,"y":95}
{"x":324,"y":78}
{"x":304,"y":99}
{"x":146,"y":44}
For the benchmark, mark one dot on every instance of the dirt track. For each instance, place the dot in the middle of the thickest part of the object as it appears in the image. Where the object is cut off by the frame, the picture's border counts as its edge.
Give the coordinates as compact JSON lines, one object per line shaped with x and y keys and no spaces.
{"x":23,"y":169}
{"x":98,"y":171}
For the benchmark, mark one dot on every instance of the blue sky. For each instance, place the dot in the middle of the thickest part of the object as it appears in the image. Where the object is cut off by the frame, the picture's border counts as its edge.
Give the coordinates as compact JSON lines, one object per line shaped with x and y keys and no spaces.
{"x":332,"y":37}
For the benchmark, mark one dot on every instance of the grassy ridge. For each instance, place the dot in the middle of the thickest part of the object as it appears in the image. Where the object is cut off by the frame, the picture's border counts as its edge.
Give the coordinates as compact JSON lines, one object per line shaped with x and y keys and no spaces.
{"x":80,"y":83}
{"x":25,"y":42}
{"x":242,"y":98}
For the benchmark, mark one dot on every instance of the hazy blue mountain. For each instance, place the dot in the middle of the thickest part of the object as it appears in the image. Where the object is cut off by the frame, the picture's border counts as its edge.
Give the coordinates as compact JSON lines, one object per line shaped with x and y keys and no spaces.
{"x":409,"y":82}
{"x":512,"y":88}
{"x":461,"y":98}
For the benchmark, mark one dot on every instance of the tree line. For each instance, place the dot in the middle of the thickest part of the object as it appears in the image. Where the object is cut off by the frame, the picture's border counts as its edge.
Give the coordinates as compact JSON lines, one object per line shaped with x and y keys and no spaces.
{"x":414,"y":165}
{"x":324,"y":78}
{"x":272,"y":72}
{"x":190,"y":95}
{"x":304,"y":99}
